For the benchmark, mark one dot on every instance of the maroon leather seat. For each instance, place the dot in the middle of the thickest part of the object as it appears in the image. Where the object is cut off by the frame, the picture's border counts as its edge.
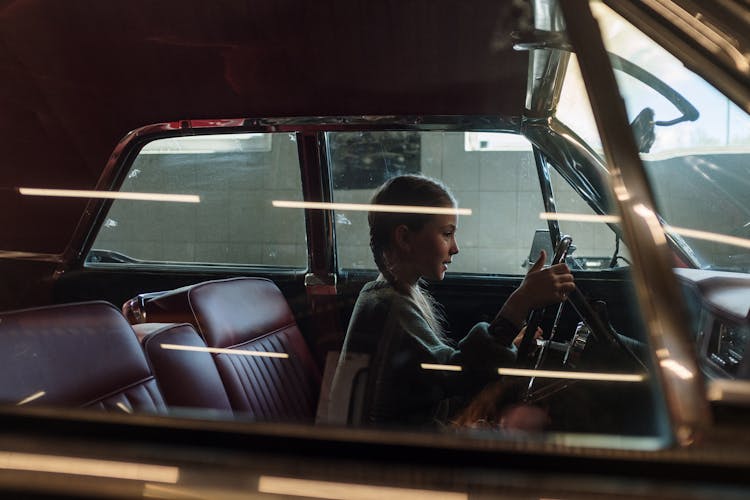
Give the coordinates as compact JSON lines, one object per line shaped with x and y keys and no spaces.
{"x":184,"y":370}
{"x":75,"y":355}
{"x":245,"y":319}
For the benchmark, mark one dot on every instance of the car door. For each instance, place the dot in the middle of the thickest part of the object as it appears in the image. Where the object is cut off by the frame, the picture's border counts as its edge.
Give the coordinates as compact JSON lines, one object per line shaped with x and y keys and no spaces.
{"x":193,"y":208}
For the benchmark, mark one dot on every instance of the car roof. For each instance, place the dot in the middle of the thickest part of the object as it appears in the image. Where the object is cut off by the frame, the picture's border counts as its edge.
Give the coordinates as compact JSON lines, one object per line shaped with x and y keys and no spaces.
{"x":79,"y":75}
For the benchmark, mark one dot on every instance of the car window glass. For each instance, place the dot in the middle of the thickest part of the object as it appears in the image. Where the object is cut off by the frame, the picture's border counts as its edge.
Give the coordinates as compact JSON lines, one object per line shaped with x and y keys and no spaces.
{"x":592,"y":376}
{"x":492,"y":174}
{"x":574,"y":109}
{"x":697,"y":162}
{"x":699,"y":168}
{"x":234,"y":177}
{"x":425,"y":362}
{"x":596,"y":245}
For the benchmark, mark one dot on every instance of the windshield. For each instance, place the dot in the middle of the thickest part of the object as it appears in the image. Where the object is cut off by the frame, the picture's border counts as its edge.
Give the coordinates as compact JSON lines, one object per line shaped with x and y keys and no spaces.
{"x":694,"y":143}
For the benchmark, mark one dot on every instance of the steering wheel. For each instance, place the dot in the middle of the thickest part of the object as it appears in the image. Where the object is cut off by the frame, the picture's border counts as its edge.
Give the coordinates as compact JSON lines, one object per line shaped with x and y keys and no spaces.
{"x":601,"y":331}
{"x":535,"y":317}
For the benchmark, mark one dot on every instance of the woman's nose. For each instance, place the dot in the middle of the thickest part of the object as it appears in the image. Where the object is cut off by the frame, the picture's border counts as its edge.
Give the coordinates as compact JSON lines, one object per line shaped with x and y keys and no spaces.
{"x":454,"y":248}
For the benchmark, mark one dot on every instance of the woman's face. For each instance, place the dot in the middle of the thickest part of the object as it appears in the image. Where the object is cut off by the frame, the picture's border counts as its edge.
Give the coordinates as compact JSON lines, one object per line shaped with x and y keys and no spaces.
{"x":433,"y":247}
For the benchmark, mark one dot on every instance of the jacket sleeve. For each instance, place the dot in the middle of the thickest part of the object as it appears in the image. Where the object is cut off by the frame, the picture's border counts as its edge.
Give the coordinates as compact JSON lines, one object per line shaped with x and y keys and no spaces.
{"x":405,"y":388}
{"x":481,"y":348}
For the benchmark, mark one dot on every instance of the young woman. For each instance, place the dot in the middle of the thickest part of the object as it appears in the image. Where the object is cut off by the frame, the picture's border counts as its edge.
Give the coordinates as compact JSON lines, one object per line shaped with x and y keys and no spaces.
{"x":400,"y":327}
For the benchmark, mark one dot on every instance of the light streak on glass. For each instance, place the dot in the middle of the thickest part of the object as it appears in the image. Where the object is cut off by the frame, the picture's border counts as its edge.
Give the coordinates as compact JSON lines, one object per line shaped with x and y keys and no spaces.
{"x":47,"y":257}
{"x":110,"y":195}
{"x":648,"y":215}
{"x":728,"y":390}
{"x":368,"y":207}
{"x":124,"y":407}
{"x":88,"y":467}
{"x":31,"y":398}
{"x":662,"y":353}
{"x":700,"y":172}
{"x":579,"y":217}
{"x":643,"y":211}
{"x":709,"y":236}
{"x":676,"y":368}
{"x":219,"y":350}
{"x":604,"y":377}
{"x":447,"y":368}
{"x":710,"y":37}
{"x":348,"y":491}
{"x":622,"y":193}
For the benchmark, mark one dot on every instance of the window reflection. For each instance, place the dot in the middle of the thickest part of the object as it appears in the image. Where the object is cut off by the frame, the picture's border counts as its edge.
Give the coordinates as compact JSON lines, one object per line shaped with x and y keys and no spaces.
{"x":32,"y":397}
{"x":699,"y":167}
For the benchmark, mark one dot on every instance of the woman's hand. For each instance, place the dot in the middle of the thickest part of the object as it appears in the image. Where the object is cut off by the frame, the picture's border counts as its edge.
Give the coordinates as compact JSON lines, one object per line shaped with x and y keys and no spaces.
{"x":541,"y":287}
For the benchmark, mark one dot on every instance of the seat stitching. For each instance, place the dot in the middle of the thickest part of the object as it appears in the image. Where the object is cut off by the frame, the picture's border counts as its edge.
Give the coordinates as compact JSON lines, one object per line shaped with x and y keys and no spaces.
{"x":257,"y":398}
{"x":261,"y":369}
{"x":118,"y":391}
{"x":278,"y":377}
{"x":292,"y":377}
{"x":257,"y":402}
{"x":241,"y":380}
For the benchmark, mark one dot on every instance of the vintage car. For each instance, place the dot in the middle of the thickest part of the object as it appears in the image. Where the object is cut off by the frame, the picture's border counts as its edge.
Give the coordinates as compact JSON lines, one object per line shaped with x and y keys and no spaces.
{"x":185,"y":192}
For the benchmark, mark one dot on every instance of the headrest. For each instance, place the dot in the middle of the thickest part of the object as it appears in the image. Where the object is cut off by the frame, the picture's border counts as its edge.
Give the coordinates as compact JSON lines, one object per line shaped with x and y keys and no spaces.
{"x":70,"y":355}
{"x":235,"y":311}
{"x":225,"y":312}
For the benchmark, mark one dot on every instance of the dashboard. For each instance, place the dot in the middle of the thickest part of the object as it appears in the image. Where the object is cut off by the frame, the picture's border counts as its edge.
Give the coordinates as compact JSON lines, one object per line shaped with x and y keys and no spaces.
{"x":719,"y":303}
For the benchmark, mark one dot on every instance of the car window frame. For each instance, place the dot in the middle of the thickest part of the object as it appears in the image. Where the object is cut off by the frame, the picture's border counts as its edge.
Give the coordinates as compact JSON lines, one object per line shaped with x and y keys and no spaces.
{"x":656,"y":287}
{"x":322,"y":274}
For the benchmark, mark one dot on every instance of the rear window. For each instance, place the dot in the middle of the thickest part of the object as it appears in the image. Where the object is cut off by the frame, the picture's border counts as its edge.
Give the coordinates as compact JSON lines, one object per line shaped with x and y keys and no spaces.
{"x":229,"y":219}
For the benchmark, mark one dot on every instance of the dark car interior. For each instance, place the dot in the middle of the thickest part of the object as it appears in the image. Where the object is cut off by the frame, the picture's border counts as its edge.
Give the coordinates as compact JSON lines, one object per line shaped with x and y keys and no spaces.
{"x":173,"y":316}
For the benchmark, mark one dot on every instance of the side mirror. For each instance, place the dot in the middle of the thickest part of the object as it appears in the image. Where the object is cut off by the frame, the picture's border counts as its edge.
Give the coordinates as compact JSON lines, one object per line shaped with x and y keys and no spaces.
{"x":540,"y":242}
{"x":643,"y":130}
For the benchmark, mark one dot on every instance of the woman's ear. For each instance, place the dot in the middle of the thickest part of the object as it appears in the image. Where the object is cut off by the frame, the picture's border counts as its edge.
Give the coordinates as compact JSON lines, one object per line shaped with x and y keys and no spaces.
{"x":401,"y":238}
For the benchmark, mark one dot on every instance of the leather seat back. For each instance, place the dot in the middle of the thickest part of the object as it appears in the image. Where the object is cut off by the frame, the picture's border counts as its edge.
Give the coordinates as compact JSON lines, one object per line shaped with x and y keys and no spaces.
{"x":184,"y":368}
{"x":75,"y":355}
{"x":264,"y":363}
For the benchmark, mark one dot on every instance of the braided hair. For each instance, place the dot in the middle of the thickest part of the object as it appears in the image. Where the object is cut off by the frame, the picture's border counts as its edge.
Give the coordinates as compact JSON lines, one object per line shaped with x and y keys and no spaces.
{"x":410,"y":190}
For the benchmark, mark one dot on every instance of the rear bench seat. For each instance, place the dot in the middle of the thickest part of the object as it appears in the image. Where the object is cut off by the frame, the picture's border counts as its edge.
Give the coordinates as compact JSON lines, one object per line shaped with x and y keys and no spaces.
{"x":234,"y":316}
{"x":75,"y":355}
{"x":185,"y":372}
